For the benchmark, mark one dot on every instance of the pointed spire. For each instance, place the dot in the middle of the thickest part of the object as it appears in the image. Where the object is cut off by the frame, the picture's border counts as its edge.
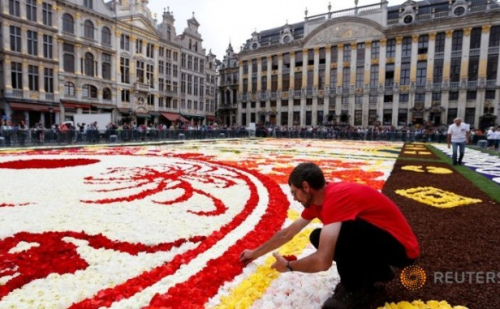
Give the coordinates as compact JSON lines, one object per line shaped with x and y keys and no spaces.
{"x":329,"y":6}
{"x":356,"y":3}
{"x":306,"y":12}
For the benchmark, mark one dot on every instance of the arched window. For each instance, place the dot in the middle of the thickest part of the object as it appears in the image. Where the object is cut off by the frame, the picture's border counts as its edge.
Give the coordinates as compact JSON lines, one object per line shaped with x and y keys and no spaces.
{"x":106,"y":94}
{"x":68,"y":23}
{"x":69,"y":89}
{"x":106,"y":36}
{"x":88,"y":30}
{"x":89,"y":65}
{"x":89,"y":91}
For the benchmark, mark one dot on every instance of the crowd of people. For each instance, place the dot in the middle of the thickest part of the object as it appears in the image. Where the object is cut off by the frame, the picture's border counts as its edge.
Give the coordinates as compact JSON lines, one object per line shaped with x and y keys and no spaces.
{"x":91,"y":133}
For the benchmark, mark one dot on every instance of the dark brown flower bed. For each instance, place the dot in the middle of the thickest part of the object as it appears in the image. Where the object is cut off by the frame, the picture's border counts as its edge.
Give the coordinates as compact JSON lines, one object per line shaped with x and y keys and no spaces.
{"x":417,"y":151}
{"x":459,"y":239}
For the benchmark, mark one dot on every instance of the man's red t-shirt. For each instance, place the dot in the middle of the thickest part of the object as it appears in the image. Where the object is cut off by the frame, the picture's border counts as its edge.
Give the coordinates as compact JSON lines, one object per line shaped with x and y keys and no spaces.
{"x":348,"y":201}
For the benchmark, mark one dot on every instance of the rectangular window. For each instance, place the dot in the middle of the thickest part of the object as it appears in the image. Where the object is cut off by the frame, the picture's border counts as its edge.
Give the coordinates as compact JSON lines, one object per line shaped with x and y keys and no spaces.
{"x":391,"y":48}
{"x":334,"y":54}
{"x":423,"y":44}
{"x":360,"y":77}
{"x":453,"y":96}
{"x":15,"y":8}
{"x":440,"y":41}
{"x":475,"y":38}
{"x":161,"y":67}
{"x":16,"y":73}
{"x":358,"y":117}
{"x":31,"y":10}
{"x":473,"y":68}
{"x":333,"y":78}
{"x":492,"y":67}
{"x":33,"y":77}
{"x":438,"y":71}
{"x":286,"y":82}
{"x":138,"y":46}
{"x":140,"y":71}
{"x":47,"y":14}
{"x":149,"y":75}
{"x":263,"y":83}
{"x":15,"y":39}
{"x":347,"y":53}
{"x":125,"y":70}
{"x":106,"y":66}
{"x":274,"y":83}
{"x":32,"y":42}
{"x":421,"y":72}
{"x":456,"y":40}
{"x":150,"y":50}
{"x":346,"y":78}
{"x":389,"y":75}
{"x":69,"y":58}
{"x":195,"y":86}
{"x":455,"y":69}
{"x":48,"y":76}
{"x":452,"y":114}
{"x":298,"y":59}
{"x":406,"y":47}
{"x":189,"y":84}
{"x":297,"y":81}
{"x":375,"y":54}
{"x":374,"y":76}
{"x":124,"y":42}
{"x":321,"y":79}
{"x":494,"y":36}
{"x":470,"y":115}
{"x":264,"y":63}
{"x":402,"y":117}
{"x":125,"y":95}
{"x":47,"y":46}
{"x":190,"y":62}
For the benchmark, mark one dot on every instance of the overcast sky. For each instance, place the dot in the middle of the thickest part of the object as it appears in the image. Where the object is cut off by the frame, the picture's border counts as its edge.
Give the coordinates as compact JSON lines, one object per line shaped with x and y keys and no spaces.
{"x":224,"y":21}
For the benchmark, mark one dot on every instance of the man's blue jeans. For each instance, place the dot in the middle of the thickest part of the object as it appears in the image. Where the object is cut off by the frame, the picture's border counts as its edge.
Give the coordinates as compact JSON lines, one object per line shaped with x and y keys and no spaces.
{"x":461,"y":147}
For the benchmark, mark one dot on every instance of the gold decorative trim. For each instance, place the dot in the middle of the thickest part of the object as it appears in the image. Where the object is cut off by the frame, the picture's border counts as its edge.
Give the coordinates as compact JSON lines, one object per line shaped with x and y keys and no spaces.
{"x":333,"y":65}
{"x":383,"y":41}
{"x":368,"y":44}
{"x":432,"y":36}
{"x":399,"y":40}
{"x":467,"y":31}
{"x":486,"y":28}
{"x":390,"y":60}
{"x":346,"y":64}
{"x":374,"y":61}
{"x":449,"y":34}
{"x":414,"y":38}
{"x":422,"y":57}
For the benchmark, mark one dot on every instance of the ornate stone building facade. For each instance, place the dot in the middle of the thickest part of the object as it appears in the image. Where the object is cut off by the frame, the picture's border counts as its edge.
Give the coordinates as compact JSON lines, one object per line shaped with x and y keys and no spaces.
{"x":60,"y":58}
{"x":421,"y":62}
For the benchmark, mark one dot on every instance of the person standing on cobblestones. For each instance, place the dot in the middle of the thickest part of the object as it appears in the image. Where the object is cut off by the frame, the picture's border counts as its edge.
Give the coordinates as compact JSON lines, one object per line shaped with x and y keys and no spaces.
{"x":458,"y":136}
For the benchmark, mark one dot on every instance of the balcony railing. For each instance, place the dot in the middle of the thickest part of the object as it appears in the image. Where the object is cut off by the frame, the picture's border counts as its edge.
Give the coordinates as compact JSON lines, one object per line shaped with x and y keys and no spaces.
{"x":17,"y":93}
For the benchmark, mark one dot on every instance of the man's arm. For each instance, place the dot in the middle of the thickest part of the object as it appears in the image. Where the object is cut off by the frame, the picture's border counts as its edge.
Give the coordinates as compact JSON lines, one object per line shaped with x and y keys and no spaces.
{"x":467,"y":137}
{"x":280,"y":238}
{"x":449,"y":139}
{"x":321,"y":260}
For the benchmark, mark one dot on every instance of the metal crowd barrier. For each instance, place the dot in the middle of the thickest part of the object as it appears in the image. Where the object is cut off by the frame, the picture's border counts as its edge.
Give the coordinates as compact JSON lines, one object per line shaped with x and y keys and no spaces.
{"x":34,"y":137}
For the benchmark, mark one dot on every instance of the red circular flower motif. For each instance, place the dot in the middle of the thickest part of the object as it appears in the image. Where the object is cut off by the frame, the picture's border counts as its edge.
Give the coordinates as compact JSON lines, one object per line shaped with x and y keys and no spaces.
{"x":46,"y":163}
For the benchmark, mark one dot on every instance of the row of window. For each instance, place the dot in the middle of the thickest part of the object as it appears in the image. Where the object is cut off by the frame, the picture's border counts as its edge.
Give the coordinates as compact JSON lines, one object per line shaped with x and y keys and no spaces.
{"x":33,"y":77}
{"x":405,"y":69}
{"x":89,"y":30}
{"x":402,"y":117}
{"x":192,"y":63}
{"x":31,"y":42}
{"x":141,"y":47}
{"x":88,"y":64}
{"x":406,"y":50}
{"x":31,"y":12}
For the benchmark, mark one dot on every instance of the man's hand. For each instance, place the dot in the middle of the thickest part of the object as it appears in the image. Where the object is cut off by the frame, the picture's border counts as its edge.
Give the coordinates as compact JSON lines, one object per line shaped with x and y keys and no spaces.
{"x":247,"y":256}
{"x":280,"y":264}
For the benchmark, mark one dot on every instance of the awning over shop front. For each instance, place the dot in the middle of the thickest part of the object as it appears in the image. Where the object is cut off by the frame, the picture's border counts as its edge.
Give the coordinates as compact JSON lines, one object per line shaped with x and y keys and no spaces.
{"x":33,"y":107}
{"x":142,"y":115}
{"x":70,"y":104}
{"x":171,"y":116}
{"x":210,"y":118}
{"x":125,"y":111}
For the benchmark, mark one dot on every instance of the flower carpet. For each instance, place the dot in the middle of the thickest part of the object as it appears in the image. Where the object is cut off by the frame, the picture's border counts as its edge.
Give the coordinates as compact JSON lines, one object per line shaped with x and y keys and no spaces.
{"x":163,"y":226}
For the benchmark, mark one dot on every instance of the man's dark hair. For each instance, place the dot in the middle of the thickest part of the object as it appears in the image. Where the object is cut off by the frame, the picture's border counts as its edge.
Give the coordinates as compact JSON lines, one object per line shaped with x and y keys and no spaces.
{"x":309,"y":172}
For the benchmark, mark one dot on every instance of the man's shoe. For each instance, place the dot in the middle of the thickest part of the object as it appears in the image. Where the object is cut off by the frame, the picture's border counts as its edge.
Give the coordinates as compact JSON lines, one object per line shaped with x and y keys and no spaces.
{"x":345,"y":299}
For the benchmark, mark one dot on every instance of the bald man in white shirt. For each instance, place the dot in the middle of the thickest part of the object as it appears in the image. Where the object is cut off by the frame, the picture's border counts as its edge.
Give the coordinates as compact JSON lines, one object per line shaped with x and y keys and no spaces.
{"x":458,"y":136}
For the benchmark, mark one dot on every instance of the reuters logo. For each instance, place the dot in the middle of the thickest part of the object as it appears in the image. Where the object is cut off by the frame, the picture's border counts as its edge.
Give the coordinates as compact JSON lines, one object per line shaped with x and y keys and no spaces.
{"x":413,"y":277}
